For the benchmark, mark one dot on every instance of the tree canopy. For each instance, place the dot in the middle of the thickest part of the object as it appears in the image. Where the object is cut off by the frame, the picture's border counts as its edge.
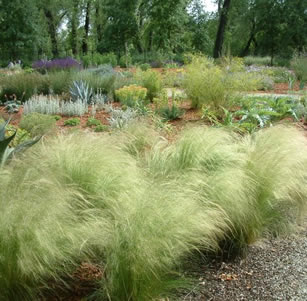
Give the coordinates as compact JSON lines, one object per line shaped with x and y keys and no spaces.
{"x":34,"y":29}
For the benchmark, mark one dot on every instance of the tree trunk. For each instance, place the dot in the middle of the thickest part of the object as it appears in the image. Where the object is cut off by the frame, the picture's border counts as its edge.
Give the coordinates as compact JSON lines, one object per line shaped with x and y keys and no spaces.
{"x":221,"y":30}
{"x":86,"y":28}
{"x":98,"y":24}
{"x":52,"y":32}
{"x":74,"y":28}
{"x":250,"y":40}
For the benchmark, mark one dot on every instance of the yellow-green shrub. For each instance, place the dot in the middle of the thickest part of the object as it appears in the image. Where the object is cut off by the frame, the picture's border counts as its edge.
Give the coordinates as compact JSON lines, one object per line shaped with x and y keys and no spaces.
{"x":151,"y":80}
{"x":132,"y":94}
{"x":212,"y":85}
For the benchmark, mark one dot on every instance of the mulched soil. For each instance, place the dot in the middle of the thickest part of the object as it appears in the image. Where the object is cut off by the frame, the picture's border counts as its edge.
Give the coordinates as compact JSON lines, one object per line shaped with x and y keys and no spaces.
{"x":81,"y":284}
{"x":282,"y":88}
{"x":272,"y":270}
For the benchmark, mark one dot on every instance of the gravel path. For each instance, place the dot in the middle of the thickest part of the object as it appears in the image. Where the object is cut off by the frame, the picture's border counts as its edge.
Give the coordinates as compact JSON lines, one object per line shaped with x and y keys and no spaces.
{"x":272,"y":270}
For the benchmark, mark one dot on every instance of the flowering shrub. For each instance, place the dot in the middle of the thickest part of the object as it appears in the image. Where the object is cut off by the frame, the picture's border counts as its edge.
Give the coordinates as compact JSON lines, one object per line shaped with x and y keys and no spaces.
{"x":56,"y":64}
{"x":131,"y":95}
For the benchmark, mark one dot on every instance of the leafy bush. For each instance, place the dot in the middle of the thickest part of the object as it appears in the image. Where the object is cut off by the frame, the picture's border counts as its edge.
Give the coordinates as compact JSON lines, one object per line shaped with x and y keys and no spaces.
{"x":151,"y":80}
{"x":257,"y":60}
{"x":60,"y":82}
{"x":37,"y":124}
{"x":144,"y":67}
{"x":19,"y":87}
{"x":72,"y":122}
{"x":93,"y":122}
{"x":98,"y":59}
{"x":173,"y":78}
{"x":266,"y":83}
{"x":211,"y":85}
{"x":101,"y":128}
{"x":124,"y":79}
{"x":99,"y":79}
{"x":299,"y":65}
{"x":125,"y":61}
{"x":74,"y":108}
{"x":204,"y":84}
{"x":131,"y":95}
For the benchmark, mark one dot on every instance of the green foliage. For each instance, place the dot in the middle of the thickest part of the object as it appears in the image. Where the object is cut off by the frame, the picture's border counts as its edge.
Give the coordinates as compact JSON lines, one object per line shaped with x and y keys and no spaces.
{"x":207,"y":84}
{"x":37,"y":124}
{"x":204,"y":84}
{"x":132,"y":95}
{"x":101,"y":128}
{"x":212,"y":157}
{"x":8,"y":146}
{"x":151,"y":80}
{"x":299,"y":65}
{"x":121,"y":200}
{"x":19,"y":87}
{"x":93,"y":122}
{"x":60,"y":82}
{"x":145,"y":67}
{"x":72,"y":122}
{"x":125,"y":61}
{"x":98,"y":59}
{"x":12,"y":106}
{"x":165,"y":110}
{"x":257,"y":60}
{"x":172,"y":112}
{"x":100,"y":79}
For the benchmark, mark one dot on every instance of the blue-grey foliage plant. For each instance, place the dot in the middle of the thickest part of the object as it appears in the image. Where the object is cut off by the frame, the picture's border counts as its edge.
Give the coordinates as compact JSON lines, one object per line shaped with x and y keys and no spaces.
{"x":6,"y":152}
{"x":81,"y":90}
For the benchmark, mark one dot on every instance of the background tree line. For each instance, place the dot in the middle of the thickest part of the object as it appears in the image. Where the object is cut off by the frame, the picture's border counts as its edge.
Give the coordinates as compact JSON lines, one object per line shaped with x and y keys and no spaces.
{"x":32,"y":29}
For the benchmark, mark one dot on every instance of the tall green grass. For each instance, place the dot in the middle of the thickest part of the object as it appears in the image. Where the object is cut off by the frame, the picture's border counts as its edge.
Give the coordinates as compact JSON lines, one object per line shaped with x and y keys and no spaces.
{"x":139,"y":205}
{"x":209,"y":85}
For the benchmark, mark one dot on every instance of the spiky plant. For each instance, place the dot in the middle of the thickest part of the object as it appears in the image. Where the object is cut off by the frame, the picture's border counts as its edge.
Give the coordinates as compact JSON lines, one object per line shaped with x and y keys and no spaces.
{"x":81,"y":90}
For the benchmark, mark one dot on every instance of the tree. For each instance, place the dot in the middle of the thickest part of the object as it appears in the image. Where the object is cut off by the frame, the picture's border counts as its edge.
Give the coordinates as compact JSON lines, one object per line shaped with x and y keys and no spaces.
{"x":19,"y":29}
{"x":86,"y":27}
{"x":218,"y":46}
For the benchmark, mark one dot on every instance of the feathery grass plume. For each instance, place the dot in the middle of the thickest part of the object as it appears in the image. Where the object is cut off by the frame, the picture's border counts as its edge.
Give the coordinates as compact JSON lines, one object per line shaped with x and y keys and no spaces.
{"x":196,"y":149}
{"x":140,"y":215}
{"x":138,"y":138}
{"x":42,"y":234}
{"x":276,"y":162}
{"x":94,"y":165}
{"x":154,"y":228}
{"x":253,"y":180}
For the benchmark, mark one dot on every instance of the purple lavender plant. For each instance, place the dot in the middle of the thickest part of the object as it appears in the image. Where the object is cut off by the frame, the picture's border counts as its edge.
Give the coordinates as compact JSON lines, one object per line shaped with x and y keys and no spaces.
{"x":56,"y":64}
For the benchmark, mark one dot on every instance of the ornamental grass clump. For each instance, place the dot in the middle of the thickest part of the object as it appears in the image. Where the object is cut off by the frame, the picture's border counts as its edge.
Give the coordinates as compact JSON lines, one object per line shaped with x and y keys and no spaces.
{"x":42,"y":232}
{"x":211,"y":85}
{"x":253,"y":180}
{"x":138,"y":205}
